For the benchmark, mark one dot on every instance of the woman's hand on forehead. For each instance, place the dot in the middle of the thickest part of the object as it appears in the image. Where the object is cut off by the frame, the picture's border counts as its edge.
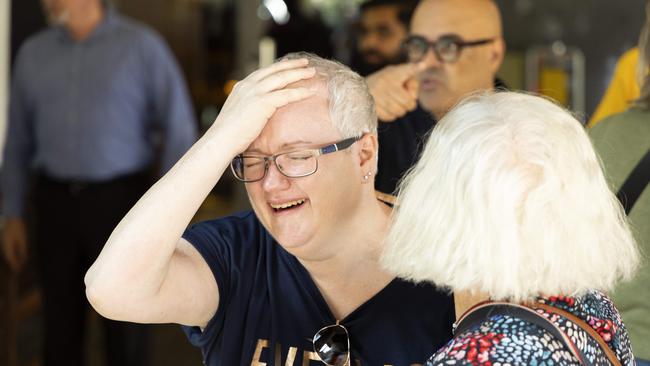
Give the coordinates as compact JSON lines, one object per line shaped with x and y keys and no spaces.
{"x":255,"y":99}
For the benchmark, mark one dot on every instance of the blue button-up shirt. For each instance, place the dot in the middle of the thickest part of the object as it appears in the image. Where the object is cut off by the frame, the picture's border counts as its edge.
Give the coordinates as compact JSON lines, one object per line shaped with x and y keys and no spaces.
{"x":95,"y":109}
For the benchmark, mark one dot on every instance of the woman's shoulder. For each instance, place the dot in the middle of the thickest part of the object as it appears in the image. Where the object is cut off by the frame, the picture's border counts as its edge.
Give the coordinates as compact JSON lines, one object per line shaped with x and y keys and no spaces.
{"x":597,"y":311}
{"x":503,"y":339}
{"x":508,"y":339}
{"x":629,"y":122}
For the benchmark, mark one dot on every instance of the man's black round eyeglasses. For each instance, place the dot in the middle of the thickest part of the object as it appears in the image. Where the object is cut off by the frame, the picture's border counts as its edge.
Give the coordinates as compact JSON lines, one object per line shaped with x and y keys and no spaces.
{"x":294,"y":164}
{"x":332,"y":345}
{"x":447,"y":48}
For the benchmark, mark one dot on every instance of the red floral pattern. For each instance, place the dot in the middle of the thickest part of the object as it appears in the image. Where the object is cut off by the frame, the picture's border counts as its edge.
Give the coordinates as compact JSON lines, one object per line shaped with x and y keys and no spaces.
{"x":476,"y":350}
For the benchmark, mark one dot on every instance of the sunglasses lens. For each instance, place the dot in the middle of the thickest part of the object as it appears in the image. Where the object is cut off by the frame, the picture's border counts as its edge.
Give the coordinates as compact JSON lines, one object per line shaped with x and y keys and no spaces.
{"x":332,"y":345}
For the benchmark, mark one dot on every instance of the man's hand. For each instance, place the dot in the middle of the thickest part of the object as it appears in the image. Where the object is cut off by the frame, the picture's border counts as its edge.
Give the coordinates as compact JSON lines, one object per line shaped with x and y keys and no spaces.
{"x":256,"y":98}
{"x":395,"y":90}
{"x":14,"y":243}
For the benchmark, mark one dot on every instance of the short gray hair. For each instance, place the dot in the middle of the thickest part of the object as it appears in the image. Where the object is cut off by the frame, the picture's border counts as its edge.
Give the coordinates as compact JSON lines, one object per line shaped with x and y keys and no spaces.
{"x":352,"y":108}
{"x":509,"y":198}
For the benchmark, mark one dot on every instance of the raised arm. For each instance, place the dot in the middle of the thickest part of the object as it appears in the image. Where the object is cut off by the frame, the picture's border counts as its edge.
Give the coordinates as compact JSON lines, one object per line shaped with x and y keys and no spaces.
{"x":146,"y":273}
{"x":395,"y":90}
{"x":18,"y":155}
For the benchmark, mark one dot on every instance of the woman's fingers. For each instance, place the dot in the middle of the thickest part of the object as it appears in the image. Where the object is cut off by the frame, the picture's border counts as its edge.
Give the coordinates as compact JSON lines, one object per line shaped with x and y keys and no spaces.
{"x":282,"y":78}
{"x":280,"y":98}
{"x":276,"y":67}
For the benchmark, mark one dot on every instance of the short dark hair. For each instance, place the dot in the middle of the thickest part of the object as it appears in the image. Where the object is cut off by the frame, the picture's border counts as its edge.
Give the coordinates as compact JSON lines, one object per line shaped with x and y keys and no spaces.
{"x":405,"y":8}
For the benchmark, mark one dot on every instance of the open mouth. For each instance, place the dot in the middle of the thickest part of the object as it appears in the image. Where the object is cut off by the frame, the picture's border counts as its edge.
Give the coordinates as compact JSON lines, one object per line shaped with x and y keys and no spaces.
{"x":287,"y":206}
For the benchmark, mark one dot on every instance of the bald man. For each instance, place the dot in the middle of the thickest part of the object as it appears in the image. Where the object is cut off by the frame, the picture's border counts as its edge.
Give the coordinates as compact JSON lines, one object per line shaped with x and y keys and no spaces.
{"x":455,"y":47}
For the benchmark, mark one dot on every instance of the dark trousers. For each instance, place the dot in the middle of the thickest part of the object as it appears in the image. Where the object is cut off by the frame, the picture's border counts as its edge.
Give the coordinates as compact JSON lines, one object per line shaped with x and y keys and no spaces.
{"x":73,"y":220}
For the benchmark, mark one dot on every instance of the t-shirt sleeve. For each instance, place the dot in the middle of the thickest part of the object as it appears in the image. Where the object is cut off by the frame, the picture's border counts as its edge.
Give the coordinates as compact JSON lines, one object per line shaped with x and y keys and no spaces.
{"x":215,"y":241}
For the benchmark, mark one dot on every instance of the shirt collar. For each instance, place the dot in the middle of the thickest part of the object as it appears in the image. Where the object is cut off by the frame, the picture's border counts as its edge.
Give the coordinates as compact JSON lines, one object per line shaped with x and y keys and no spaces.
{"x":107,"y":24}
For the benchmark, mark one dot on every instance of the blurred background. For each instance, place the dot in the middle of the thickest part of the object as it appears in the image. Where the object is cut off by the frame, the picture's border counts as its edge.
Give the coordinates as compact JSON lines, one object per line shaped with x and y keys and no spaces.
{"x":564,"y":49}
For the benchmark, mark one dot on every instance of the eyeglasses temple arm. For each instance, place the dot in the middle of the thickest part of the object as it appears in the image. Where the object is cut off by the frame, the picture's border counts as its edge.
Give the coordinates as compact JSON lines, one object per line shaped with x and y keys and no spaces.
{"x":476,"y":43}
{"x":338,"y":146}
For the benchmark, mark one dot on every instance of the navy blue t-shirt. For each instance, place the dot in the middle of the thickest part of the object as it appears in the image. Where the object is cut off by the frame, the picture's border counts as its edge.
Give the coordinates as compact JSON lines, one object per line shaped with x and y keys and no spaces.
{"x":270,"y":308}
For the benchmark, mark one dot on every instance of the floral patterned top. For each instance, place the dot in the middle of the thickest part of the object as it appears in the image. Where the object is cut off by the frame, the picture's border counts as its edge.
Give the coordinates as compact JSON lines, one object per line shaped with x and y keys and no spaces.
{"x":506,"y":340}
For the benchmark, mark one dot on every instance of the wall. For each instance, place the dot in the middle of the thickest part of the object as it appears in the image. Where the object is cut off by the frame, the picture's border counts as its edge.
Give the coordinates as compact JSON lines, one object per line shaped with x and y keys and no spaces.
{"x":4,"y":69}
{"x":602,"y":29}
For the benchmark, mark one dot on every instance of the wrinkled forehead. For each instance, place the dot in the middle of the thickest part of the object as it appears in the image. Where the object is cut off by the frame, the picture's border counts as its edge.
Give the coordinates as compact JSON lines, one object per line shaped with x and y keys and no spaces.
{"x":469,"y":19}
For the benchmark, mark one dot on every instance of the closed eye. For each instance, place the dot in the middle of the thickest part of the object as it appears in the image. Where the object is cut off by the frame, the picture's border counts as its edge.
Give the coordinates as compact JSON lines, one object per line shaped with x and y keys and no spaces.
{"x":252,"y":164}
{"x":299,"y":156}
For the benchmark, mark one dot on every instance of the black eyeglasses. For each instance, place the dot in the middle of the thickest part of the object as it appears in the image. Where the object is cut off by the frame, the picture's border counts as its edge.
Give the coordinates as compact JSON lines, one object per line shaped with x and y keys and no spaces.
{"x":332,"y":345}
{"x":447,"y":48}
{"x":293,"y":164}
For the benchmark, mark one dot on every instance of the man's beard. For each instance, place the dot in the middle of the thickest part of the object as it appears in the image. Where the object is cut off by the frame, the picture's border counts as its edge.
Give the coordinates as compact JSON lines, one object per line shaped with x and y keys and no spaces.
{"x":364,"y":67}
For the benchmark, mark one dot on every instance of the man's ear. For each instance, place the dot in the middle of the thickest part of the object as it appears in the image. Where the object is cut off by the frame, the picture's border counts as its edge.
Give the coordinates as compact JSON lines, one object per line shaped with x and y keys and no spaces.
{"x":497,"y":52}
{"x":368,"y":148}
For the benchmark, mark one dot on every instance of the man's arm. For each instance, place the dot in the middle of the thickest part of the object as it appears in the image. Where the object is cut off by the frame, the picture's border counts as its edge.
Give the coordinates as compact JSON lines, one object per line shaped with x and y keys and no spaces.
{"x":146,"y":272}
{"x":395,"y":90}
{"x":170,"y":101}
{"x":18,"y":153}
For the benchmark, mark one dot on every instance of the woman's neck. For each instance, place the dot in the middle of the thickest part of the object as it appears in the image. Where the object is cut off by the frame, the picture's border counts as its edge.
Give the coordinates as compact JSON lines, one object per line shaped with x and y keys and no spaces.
{"x":352,"y":275}
{"x":464,"y":300}
{"x":357,"y":242}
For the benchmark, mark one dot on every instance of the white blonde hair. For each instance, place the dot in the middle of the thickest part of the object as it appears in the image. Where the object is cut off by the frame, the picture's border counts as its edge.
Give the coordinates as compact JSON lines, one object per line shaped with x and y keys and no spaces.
{"x":352,"y":108}
{"x":509,"y":199}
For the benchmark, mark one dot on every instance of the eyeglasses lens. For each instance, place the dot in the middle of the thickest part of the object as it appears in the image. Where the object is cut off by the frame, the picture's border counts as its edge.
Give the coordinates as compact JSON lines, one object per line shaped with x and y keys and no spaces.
{"x":248,"y":168}
{"x":416,"y":48}
{"x":297,"y":164}
{"x":447,"y":49}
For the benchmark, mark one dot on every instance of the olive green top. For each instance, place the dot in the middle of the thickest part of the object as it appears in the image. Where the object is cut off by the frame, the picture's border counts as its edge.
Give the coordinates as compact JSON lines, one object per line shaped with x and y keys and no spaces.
{"x":621,"y":141}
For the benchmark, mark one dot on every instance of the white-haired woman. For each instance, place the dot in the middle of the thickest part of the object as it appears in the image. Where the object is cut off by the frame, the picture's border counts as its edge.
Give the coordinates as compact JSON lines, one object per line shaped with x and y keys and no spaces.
{"x":508,"y":203}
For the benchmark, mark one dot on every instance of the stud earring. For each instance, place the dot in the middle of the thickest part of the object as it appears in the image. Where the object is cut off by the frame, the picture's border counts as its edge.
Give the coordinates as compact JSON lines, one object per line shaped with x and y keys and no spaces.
{"x":365,"y":177}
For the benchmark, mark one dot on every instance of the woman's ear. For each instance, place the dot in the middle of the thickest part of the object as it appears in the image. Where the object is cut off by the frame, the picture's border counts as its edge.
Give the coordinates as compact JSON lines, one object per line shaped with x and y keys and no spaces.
{"x":368,"y":148}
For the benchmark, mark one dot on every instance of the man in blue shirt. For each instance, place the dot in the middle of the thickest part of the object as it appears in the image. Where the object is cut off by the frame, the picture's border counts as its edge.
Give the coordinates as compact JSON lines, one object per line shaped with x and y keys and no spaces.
{"x":91,"y":98}
{"x":297,"y":280}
